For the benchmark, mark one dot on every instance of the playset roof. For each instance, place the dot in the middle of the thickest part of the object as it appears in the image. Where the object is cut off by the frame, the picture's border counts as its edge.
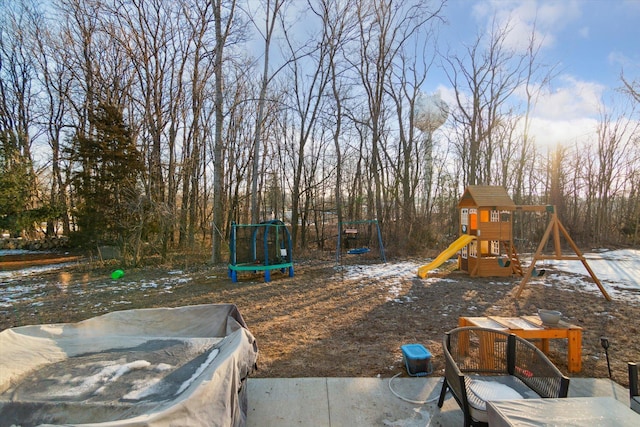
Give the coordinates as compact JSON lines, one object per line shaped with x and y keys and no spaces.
{"x":492,"y":196}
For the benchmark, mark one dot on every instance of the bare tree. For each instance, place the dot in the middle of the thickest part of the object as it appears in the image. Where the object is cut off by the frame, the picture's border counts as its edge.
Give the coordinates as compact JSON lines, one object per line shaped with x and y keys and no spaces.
{"x":80,"y":41}
{"x":310,"y":78}
{"x":339,"y":23}
{"x":331,"y":126}
{"x":413,"y":160}
{"x":272,"y":12}
{"x":536,"y":78}
{"x":385,"y":28}
{"x":484,"y":78}
{"x":615,"y":142}
{"x":55,"y":79}
{"x":18,"y":117}
{"x":18,"y":70}
{"x":631,"y":221}
{"x":631,"y":87}
{"x":223,"y":24}
{"x":149,"y":32}
{"x":239,"y":132}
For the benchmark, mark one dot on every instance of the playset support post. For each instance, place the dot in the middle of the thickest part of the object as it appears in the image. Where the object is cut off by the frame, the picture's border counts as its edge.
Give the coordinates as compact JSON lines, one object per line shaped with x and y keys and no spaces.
{"x":556,"y":227}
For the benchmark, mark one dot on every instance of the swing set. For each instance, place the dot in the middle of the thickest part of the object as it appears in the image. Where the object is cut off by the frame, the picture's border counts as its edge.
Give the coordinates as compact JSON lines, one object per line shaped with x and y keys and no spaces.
{"x":357,"y":238}
{"x":555,"y":229}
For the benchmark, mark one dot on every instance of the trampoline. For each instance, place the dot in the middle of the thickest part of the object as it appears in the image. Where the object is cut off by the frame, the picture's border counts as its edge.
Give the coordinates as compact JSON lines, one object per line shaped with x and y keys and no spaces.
{"x":146,"y":367}
{"x":260,"y":247}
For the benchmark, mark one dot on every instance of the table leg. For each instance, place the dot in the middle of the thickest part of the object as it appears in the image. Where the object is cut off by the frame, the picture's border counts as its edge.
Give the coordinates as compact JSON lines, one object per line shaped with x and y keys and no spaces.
{"x":544,"y":345}
{"x":574,"y":338}
{"x":463,"y":337}
{"x":487,"y":350}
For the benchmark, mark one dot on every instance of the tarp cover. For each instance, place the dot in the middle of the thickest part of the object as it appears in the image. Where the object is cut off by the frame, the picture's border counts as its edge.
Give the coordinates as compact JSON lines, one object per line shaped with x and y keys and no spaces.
{"x":182,"y":366}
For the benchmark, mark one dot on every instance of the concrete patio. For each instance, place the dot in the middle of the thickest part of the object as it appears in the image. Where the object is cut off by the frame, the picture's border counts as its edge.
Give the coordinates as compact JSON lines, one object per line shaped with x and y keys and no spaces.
{"x":355,"y":402}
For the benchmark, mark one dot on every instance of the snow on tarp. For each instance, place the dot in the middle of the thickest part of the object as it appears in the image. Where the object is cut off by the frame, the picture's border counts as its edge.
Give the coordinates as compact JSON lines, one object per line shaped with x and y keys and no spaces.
{"x":147,"y":367}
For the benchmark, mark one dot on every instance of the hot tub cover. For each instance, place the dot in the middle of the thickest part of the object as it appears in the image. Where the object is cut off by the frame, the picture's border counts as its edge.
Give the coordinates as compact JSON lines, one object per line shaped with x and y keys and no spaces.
{"x":182,"y":366}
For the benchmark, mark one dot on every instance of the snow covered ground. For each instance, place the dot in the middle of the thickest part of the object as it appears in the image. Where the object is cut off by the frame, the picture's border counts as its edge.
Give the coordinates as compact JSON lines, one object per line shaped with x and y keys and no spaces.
{"x":619,"y":268}
{"x":618,"y":271}
{"x":16,"y":286}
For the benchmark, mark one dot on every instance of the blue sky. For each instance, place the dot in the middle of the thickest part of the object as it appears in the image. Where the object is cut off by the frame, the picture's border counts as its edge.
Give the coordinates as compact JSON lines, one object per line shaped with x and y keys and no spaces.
{"x":590,"y":43}
{"x":588,"y":39}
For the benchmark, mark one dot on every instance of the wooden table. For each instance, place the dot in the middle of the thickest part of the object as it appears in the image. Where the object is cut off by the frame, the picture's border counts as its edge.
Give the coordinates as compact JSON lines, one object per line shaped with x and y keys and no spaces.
{"x":572,"y":411}
{"x":531,"y":327}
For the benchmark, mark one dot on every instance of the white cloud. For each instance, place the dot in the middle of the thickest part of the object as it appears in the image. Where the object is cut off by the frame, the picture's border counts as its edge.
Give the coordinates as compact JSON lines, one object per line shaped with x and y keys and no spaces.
{"x":448,"y":95}
{"x":543,"y":19}
{"x":569,"y":99}
{"x":554,"y":15}
{"x":552,"y":132}
{"x":570,"y":109}
{"x":573,"y":99}
{"x":568,"y":113}
{"x":620,"y":59}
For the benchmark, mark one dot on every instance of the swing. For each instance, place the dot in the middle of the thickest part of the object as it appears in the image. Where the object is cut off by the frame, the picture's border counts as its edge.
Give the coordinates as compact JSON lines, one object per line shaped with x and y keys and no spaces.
{"x":358,"y":251}
{"x":351,"y":234}
{"x":538,"y":273}
{"x":358,"y":238}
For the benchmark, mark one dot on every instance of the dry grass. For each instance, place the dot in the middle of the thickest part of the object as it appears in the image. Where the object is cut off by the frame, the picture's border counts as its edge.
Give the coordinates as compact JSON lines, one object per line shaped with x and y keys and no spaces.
{"x":321,"y":323}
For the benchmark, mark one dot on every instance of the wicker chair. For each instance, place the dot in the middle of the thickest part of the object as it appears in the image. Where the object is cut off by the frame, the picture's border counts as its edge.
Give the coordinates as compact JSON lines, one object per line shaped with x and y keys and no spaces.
{"x":484,"y":364}
{"x":634,"y":397}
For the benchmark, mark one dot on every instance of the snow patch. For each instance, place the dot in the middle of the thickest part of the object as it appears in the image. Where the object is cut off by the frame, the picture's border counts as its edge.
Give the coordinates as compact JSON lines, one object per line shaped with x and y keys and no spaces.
{"x":198,"y":371}
{"x":109,"y":372}
{"x":143,"y":388}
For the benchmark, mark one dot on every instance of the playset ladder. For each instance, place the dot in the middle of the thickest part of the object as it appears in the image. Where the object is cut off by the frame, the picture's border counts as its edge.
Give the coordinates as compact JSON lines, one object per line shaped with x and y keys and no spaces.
{"x":514,"y":260}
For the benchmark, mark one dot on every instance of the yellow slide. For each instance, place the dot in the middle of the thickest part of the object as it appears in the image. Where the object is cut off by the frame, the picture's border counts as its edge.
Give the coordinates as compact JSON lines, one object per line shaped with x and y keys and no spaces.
{"x":462,"y":241}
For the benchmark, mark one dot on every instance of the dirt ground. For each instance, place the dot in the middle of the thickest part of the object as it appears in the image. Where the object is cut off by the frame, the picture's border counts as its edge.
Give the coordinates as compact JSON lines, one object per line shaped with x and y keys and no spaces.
{"x":326,"y":323}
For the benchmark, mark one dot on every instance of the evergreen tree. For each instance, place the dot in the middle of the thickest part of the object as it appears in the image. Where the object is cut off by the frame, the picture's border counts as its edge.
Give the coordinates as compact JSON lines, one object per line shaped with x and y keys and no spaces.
{"x":16,"y":181}
{"x":107,"y":180}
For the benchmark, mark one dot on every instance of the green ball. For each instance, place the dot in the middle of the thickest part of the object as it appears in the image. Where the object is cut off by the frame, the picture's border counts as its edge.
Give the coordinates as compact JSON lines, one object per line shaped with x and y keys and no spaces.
{"x":117,"y":274}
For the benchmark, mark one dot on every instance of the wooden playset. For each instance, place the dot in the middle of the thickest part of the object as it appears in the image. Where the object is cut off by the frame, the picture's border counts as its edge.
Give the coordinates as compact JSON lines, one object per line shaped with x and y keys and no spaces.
{"x":486,"y":246}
